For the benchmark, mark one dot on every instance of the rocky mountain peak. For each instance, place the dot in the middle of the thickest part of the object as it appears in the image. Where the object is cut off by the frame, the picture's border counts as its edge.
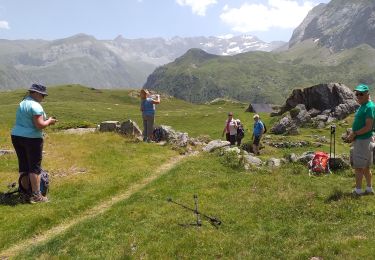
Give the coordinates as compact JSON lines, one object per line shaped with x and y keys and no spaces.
{"x":338,"y":25}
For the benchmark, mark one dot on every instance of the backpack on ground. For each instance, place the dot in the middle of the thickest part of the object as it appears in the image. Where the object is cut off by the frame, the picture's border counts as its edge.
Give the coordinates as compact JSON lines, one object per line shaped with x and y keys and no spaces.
{"x":319,"y":164}
{"x":158,"y":134}
{"x":24,"y":185}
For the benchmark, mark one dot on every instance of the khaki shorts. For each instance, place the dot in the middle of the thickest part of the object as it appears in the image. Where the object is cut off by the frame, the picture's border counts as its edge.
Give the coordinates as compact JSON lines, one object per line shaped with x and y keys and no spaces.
{"x":361,"y":153}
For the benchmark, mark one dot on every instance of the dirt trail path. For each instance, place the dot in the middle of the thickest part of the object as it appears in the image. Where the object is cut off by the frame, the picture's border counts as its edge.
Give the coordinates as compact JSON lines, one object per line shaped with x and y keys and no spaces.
{"x":91,"y":213}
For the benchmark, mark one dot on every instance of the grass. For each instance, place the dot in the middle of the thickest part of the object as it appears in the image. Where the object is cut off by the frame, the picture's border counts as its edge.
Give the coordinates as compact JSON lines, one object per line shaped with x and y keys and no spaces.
{"x":290,"y":217}
{"x":267,"y":213}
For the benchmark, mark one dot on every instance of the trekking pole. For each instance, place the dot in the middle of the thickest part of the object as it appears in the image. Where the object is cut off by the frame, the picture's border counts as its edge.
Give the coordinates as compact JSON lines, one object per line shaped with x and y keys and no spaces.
{"x":199,"y":222}
{"x":333,"y":136}
{"x":213,"y":220}
{"x":330,"y":144}
{"x":334,"y":143}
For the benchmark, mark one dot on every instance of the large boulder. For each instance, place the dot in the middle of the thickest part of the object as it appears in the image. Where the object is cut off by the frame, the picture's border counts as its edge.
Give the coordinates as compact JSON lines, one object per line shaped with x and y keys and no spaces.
{"x":335,"y":97}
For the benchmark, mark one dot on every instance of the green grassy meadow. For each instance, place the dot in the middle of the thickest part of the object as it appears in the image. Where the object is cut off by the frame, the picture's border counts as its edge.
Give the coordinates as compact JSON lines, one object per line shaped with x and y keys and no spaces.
{"x":266,"y":213}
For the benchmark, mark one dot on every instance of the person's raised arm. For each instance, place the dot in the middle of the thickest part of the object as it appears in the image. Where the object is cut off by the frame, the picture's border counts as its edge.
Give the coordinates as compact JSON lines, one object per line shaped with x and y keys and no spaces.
{"x":157,"y":100}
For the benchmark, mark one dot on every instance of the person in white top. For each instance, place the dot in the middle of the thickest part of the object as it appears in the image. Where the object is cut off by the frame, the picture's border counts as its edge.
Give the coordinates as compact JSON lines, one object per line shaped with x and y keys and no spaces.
{"x":230,"y":129}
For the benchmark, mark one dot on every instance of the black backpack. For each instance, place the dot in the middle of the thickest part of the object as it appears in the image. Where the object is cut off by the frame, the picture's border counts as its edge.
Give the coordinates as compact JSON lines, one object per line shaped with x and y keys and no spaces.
{"x":158,"y":134}
{"x":24,"y":185}
{"x":265,"y":128}
{"x":240,"y":132}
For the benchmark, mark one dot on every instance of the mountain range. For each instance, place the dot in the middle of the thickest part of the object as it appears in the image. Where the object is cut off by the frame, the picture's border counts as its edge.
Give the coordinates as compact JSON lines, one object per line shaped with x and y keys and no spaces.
{"x":114,"y":63}
{"x":334,"y":43}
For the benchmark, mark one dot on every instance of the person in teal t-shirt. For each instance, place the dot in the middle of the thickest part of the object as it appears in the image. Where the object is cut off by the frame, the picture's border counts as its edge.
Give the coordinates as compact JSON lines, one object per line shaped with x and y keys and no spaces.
{"x":361,"y":136}
{"x":27,"y":137}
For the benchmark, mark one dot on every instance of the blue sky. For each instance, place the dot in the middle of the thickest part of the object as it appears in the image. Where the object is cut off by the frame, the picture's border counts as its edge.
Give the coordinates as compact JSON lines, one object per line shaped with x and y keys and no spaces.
{"x":105,"y":19}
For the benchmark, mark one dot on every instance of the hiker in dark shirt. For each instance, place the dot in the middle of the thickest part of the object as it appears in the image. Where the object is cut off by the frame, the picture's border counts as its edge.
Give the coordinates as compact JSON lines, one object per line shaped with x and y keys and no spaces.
{"x":240,"y":132}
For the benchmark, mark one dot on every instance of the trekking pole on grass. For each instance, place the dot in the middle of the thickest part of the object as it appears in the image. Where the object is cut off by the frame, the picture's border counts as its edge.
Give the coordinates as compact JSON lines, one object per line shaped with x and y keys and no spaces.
{"x":199,"y":222}
{"x":333,"y":134}
{"x":213,"y":220}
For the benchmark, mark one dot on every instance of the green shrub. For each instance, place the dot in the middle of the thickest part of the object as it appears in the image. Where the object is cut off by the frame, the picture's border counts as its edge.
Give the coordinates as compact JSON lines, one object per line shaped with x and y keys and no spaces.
{"x":232,"y":160}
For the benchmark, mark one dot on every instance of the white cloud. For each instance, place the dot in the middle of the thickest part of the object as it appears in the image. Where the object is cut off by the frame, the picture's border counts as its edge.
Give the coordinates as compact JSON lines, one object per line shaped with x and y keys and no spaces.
{"x":198,"y":7}
{"x":284,"y":14}
{"x":4,"y":25}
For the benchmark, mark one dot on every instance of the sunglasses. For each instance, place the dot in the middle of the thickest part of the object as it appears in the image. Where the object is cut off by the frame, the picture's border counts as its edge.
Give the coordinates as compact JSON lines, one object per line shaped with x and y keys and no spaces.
{"x":360,"y":94}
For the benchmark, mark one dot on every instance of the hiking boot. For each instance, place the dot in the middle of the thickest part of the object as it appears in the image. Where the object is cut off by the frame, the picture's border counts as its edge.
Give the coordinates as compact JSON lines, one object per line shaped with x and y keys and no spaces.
{"x":37,"y":198}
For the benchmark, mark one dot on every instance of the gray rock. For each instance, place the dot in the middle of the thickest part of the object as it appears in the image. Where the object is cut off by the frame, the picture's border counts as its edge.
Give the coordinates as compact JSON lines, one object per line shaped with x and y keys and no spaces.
{"x":215,"y":144}
{"x":306,"y":157}
{"x":181,"y":139}
{"x":5,"y":151}
{"x":338,"y":25}
{"x":321,"y":118}
{"x":252,"y":160}
{"x":301,"y":107}
{"x":291,"y":157}
{"x":303,"y":118}
{"x":321,"y":125}
{"x":334,"y":99}
{"x":281,"y":126}
{"x":130,"y":127}
{"x":331,"y":120}
{"x":339,"y":163}
{"x":273,"y":162}
{"x":326,"y":112}
{"x":109,"y":126}
{"x":169,"y":135}
{"x":345,"y":135}
{"x":292,"y":130}
{"x":314,"y":112}
{"x":79,"y":131}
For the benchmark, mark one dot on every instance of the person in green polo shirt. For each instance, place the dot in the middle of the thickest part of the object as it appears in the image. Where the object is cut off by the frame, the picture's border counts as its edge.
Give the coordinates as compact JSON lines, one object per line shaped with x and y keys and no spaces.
{"x":361,"y":137}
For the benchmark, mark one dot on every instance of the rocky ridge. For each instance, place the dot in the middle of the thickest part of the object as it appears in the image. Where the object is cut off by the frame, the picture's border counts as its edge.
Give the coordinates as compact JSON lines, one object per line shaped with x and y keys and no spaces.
{"x":338,"y":25}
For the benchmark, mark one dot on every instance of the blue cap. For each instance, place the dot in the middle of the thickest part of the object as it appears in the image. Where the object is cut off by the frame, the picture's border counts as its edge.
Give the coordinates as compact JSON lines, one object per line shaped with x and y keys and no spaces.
{"x":362,"y":88}
{"x":39,"y":88}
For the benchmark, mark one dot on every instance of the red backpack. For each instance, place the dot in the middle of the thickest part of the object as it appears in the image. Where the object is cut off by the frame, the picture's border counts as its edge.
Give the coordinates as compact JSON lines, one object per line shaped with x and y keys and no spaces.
{"x":319,"y":163}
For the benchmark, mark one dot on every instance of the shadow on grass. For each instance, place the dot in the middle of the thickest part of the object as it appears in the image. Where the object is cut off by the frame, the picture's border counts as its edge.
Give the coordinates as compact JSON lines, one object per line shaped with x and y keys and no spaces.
{"x":338,"y":195}
{"x":12,"y":199}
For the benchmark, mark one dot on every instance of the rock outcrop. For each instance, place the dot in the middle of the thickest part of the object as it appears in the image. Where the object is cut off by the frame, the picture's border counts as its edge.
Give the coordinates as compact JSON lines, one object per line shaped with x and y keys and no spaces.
{"x":336,"y":97}
{"x":340,"y":24}
{"x":318,"y":105}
